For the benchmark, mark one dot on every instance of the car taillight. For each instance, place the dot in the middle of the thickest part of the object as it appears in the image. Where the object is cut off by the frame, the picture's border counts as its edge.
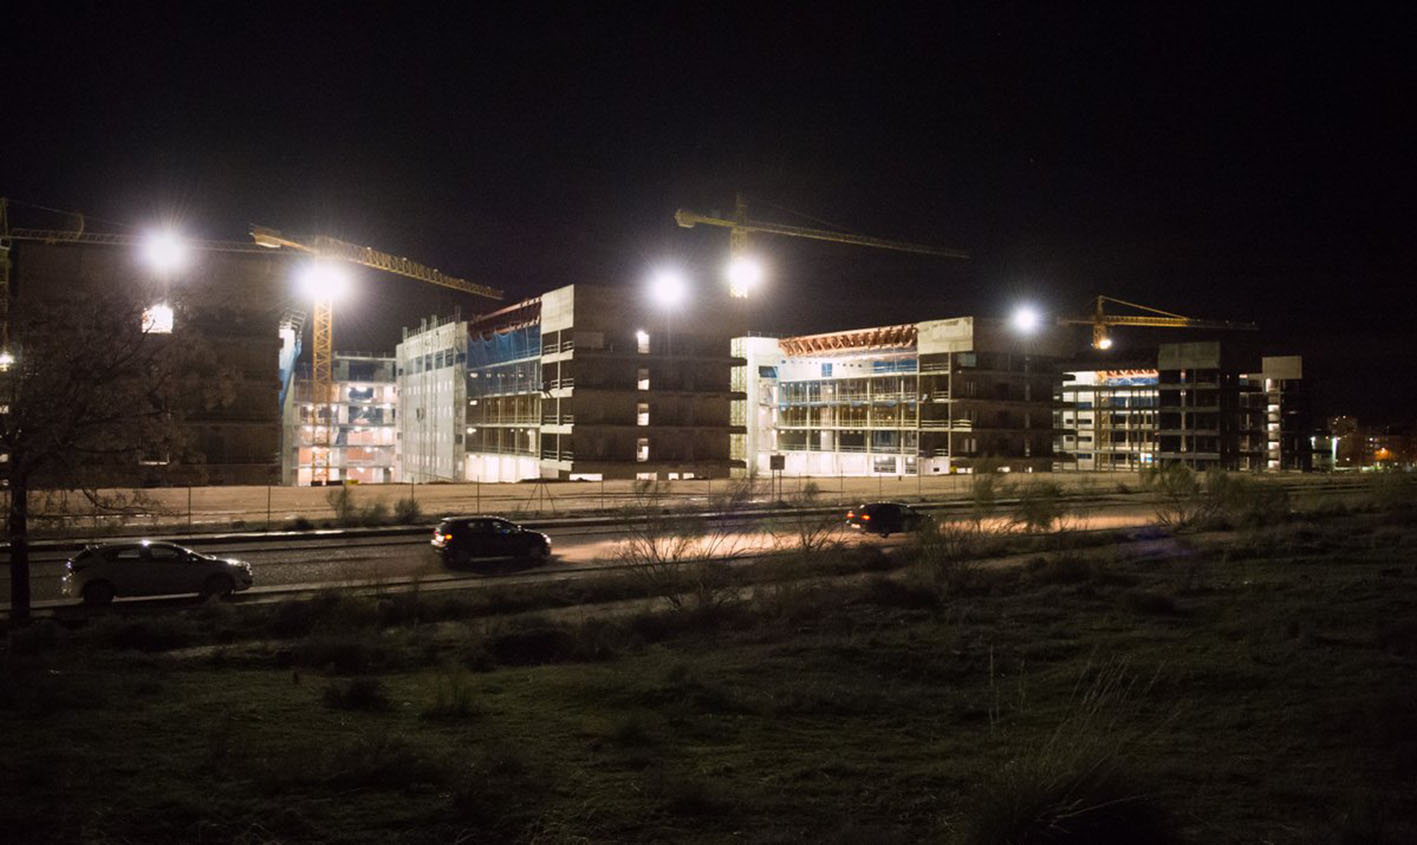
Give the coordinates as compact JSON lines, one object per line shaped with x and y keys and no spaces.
{"x":866,"y":517}
{"x":850,"y":514}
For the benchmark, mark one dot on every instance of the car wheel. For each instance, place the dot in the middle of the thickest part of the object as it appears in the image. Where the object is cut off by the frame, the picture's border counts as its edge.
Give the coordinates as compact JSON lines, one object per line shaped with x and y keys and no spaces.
{"x":98,"y":593}
{"x":218,"y":585}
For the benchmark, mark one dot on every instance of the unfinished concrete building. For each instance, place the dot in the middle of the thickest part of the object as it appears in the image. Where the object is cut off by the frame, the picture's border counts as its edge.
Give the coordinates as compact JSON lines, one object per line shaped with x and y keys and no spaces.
{"x":583,"y":382}
{"x":1208,"y":405}
{"x":932,"y":397}
{"x":237,"y":303}
{"x":362,"y":433}
{"x":1107,"y":419}
{"x":432,"y":389}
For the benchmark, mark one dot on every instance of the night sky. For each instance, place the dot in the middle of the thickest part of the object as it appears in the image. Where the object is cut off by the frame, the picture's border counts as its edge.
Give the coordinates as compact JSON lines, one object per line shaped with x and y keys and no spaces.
{"x":1230,"y":164}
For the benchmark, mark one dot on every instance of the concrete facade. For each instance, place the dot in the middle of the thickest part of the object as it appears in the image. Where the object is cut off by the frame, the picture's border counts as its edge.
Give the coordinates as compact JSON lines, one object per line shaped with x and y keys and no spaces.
{"x":364,"y":434}
{"x":431,"y":381}
{"x":933,"y":397}
{"x":237,"y":304}
{"x":583,"y":382}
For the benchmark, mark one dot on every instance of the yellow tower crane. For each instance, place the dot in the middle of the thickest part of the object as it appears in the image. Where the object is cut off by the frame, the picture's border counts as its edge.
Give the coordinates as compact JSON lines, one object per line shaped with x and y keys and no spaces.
{"x":1154,"y":318}
{"x":325,"y":248}
{"x":740,"y":228}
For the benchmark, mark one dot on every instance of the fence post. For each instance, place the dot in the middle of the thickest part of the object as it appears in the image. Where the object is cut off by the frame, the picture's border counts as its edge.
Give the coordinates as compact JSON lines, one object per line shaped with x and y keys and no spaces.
{"x":268,"y":508}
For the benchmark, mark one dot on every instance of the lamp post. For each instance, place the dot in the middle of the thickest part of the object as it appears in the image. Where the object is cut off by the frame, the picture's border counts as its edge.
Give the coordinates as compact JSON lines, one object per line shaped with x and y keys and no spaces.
{"x":1026,"y":322}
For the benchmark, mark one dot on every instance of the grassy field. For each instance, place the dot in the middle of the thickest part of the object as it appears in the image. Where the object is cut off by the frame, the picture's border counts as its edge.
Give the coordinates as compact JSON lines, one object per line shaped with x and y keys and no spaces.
{"x":1244,"y":686}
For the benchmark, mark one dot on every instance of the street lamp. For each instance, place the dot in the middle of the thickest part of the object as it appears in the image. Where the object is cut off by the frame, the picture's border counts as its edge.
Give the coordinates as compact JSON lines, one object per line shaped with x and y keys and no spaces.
{"x":1027,"y":321}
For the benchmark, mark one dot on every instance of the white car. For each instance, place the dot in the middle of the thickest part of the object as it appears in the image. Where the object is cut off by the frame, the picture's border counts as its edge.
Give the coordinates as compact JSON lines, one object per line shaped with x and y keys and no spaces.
{"x":150,"y":568}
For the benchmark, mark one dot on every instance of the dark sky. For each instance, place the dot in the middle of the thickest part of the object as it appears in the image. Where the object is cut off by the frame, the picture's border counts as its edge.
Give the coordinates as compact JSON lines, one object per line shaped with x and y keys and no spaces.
{"x":1246,"y":164}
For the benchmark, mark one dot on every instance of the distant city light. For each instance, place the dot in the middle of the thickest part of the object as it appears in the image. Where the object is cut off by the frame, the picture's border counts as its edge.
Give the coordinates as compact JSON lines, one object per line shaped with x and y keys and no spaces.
{"x":1026,"y":319}
{"x":323,"y":280}
{"x":165,"y":251}
{"x":744,"y":275}
{"x":668,"y":287}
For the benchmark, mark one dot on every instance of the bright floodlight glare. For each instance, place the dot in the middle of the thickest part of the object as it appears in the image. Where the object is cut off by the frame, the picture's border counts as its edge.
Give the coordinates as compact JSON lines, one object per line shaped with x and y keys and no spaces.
{"x":1026,"y":319}
{"x":7,"y":360}
{"x":744,"y":275}
{"x":668,"y":288}
{"x":165,"y":251}
{"x":158,"y":319}
{"x":1104,"y":343}
{"x":324,"y":281}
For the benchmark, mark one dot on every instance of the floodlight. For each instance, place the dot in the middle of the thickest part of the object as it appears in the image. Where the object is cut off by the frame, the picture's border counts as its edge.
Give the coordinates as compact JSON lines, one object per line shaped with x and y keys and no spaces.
{"x":165,"y":251}
{"x":1026,"y":319}
{"x":158,"y":319}
{"x":1104,"y":342}
{"x":668,"y":287}
{"x":744,"y":275}
{"x":7,"y":360}
{"x":324,"y":281}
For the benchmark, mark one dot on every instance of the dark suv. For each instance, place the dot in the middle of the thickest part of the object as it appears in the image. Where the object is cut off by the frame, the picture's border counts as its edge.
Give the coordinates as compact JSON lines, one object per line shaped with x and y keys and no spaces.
{"x":884,"y":518}
{"x":461,"y":540}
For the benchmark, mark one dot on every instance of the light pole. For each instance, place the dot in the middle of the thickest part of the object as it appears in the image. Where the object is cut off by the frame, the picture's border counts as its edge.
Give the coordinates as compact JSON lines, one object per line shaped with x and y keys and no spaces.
{"x":1026,"y":322}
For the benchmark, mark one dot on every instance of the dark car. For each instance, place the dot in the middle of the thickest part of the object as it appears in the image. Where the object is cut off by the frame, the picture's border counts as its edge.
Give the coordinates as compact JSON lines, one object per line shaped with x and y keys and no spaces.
{"x":884,"y":518}
{"x":461,"y":540}
{"x":150,"y":568}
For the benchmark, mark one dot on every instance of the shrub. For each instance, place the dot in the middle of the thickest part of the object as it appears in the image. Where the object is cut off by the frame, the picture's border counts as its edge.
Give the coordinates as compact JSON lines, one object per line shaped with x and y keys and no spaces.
{"x":154,"y":633}
{"x":1031,"y":801}
{"x":533,"y":647}
{"x":375,"y":514}
{"x":407,"y":511}
{"x":1063,"y":569}
{"x":341,"y":501}
{"x":1071,"y":787}
{"x":357,"y":694}
{"x":1040,"y":505}
{"x":454,"y":698}
{"x":345,"y":654}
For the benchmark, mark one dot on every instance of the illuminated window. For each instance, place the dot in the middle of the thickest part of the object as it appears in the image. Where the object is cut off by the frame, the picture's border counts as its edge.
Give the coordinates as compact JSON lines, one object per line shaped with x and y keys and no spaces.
{"x":642,"y":342}
{"x":642,"y":450}
{"x":642,"y":378}
{"x":642,"y":413}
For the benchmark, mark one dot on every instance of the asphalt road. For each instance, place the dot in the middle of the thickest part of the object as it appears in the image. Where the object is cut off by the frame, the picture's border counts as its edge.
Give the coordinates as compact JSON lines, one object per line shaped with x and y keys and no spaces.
{"x":298,"y":563}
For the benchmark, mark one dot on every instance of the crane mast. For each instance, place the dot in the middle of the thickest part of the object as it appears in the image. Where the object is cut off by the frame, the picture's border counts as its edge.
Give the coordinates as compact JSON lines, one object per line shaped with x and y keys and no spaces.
{"x":324,"y":247}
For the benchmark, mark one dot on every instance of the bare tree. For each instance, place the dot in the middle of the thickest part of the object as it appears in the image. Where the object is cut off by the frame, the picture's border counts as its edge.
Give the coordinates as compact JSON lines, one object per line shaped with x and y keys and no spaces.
{"x":94,"y":392}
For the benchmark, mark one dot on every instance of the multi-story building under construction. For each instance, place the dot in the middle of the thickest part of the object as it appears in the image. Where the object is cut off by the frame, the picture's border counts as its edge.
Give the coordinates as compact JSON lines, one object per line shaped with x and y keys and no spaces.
{"x":583,"y":382}
{"x":361,"y":424}
{"x":932,"y":397}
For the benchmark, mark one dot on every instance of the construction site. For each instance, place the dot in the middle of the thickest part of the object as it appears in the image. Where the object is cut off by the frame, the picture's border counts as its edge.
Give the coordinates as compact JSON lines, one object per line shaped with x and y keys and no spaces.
{"x":595,"y":382}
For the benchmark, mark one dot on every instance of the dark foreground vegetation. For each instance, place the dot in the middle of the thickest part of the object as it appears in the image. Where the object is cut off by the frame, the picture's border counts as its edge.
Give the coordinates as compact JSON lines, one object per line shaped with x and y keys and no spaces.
{"x":1258,"y":684}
